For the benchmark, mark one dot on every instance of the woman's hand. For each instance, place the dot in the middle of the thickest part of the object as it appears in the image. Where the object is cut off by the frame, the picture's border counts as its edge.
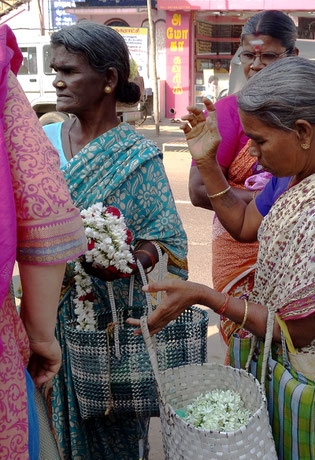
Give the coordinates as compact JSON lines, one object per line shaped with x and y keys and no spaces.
{"x":203,"y":137}
{"x":102,"y":273}
{"x":145,"y":252}
{"x":178,"y":295}
{"x":45,"y":361}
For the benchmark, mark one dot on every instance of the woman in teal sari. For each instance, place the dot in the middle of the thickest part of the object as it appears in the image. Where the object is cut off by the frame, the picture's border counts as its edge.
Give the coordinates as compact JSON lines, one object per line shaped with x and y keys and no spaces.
{"x":104,"y":160}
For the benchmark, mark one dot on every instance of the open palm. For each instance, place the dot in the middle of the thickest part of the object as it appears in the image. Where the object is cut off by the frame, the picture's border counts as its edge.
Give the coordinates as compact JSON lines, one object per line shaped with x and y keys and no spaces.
{"x":202,"y":134}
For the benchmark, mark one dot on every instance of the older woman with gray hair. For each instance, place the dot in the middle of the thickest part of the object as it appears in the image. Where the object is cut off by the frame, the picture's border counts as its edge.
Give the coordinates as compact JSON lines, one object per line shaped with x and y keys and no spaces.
{"x":106,"y":161}
{"x":277,"y":110}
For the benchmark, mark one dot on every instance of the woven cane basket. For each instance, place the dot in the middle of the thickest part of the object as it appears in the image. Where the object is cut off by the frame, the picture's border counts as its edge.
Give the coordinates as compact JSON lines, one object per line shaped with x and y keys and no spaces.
{"x":179,"y":386}
{"x":122,"y":380}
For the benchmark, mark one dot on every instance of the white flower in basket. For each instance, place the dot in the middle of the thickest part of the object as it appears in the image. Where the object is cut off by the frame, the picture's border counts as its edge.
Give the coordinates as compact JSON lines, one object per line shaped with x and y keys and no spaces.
{"x":108,"y":245}
{"x":218,"y":410}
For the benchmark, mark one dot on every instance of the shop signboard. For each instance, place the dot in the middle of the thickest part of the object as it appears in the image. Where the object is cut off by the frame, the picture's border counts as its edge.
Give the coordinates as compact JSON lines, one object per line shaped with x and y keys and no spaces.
{"x":119,"y":3}
{"x":59,"y":16}
{"x":177,"y":63}
{"x":183,"y":4}
{"x":137,"y":42}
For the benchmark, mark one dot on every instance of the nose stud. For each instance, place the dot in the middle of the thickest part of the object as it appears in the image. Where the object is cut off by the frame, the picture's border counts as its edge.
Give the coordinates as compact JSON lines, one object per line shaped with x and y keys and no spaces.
{"x":60,"y":84}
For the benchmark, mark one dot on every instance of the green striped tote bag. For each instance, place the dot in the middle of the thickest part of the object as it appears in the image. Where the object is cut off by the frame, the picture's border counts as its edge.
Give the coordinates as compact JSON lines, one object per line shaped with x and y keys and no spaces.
{"x":291,"y":399}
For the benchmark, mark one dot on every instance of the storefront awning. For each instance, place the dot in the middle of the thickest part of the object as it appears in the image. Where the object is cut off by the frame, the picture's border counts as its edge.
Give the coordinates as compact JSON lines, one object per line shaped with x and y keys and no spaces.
{"x":236,"y":5}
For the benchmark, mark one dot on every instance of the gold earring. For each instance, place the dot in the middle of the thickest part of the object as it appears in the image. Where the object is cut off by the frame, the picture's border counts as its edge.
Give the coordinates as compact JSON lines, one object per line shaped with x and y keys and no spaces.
{"x":108,"y":89}
{"x":305,"y":146}
{"x":60,"y":84}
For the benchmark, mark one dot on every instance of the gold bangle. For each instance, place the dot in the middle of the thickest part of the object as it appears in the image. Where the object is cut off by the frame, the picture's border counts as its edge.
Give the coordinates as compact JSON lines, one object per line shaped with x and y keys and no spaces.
{"x":245,"y":315}
{"x":219,"y":193}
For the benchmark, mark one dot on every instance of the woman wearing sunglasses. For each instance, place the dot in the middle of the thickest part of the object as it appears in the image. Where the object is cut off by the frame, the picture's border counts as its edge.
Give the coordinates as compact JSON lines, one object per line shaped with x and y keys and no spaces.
{"x":266,"y":37}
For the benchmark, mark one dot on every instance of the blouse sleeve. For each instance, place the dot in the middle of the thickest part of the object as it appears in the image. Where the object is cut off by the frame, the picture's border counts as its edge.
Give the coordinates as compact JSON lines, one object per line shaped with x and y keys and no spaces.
{"x":274,"y":188}
{"x":49,"y":227}
{"x":231,"y":131}
{"x":233,"y":138}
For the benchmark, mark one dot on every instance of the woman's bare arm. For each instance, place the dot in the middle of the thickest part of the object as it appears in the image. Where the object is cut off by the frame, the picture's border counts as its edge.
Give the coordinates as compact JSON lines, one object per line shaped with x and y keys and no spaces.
{"x":179,"y":295}
{"x":198,"y":193}
{"x":41,"y":290}
{"x":240,"y":219}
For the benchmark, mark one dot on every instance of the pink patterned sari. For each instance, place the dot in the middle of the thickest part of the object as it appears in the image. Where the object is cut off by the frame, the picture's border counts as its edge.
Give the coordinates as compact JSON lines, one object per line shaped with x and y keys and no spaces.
{"x":10,"y":56}
{"x":38,"y":225}
{"x":233,"y":263}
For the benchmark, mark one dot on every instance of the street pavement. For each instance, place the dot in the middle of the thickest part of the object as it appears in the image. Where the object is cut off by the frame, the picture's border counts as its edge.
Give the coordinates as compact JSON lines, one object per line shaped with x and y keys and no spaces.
{"x":198,"y":225}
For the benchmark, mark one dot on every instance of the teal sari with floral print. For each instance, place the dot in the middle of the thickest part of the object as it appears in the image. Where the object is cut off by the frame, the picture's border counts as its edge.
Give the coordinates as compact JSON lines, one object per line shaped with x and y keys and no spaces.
{"x":125,"y":170}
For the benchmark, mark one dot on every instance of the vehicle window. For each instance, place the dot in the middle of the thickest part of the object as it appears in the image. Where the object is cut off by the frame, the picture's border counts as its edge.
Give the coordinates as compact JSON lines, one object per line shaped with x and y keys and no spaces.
{"x":29,"y":64}
{"x":47,"y":56}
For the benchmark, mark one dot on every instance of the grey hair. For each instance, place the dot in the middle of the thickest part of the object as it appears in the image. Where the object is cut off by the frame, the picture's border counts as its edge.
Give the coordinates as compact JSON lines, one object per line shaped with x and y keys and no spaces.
{"x":281,"y":93}
{"x":103,"y":48}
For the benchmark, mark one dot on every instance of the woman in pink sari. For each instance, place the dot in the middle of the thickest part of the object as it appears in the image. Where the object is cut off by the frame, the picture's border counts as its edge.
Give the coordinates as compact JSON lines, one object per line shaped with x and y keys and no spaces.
{"x":266,"y":37}
{"x":41,"y":229}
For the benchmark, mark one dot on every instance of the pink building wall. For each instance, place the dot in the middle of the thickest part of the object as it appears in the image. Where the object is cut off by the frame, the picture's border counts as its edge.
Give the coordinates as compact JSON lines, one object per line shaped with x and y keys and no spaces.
{"x":177,"y":88}
{"x":224,"y":5}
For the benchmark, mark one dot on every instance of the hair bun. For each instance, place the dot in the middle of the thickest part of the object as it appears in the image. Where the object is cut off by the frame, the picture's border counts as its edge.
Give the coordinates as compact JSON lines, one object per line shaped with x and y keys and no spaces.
{"x":128,"y":93}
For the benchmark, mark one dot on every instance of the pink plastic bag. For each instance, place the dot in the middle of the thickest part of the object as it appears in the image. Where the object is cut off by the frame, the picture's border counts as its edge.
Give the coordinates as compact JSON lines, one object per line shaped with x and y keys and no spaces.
{"x":258,"y":181}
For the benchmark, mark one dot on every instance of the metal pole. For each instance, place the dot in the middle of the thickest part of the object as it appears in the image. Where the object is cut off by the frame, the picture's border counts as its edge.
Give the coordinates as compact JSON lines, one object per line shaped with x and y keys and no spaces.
{"x":156,"y":92}
{"x":41,"y":18}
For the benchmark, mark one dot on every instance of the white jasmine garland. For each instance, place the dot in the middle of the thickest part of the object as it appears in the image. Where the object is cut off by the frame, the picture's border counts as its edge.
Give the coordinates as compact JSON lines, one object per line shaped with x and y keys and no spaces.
{"x":218,"y":410}
{"x":108,"y":245}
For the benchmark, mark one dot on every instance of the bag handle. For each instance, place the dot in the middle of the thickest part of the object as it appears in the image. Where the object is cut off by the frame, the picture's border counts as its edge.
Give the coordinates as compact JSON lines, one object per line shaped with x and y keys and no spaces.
{"x":131,"y":288}
{"x":286,"y":335}
{"x":271,"y":318}
{"x":160,"y":266}
{"x":112,"y":303}
{"x":109,"y":285}
{"x":267,"y":347}
{"x":151,"y":347}
{"x":145,"y":280}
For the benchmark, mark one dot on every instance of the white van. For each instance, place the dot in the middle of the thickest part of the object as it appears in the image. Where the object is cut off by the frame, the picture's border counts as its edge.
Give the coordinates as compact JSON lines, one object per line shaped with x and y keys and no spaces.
{"x":36,"y":78}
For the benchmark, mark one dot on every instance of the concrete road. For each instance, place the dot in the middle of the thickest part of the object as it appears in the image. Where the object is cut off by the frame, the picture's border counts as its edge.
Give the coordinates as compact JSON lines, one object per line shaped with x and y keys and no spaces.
{"x":198,"y":224}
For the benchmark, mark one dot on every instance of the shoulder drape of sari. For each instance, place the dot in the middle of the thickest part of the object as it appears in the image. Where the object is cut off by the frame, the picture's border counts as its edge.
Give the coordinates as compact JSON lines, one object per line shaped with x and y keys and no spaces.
{"x":233,"y":263}
{"x":10,"y":57}
{"x":13,"y":429}
{"x":285,"y":274}
{"x":121,"y":168}
{"x":49,"y":227}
